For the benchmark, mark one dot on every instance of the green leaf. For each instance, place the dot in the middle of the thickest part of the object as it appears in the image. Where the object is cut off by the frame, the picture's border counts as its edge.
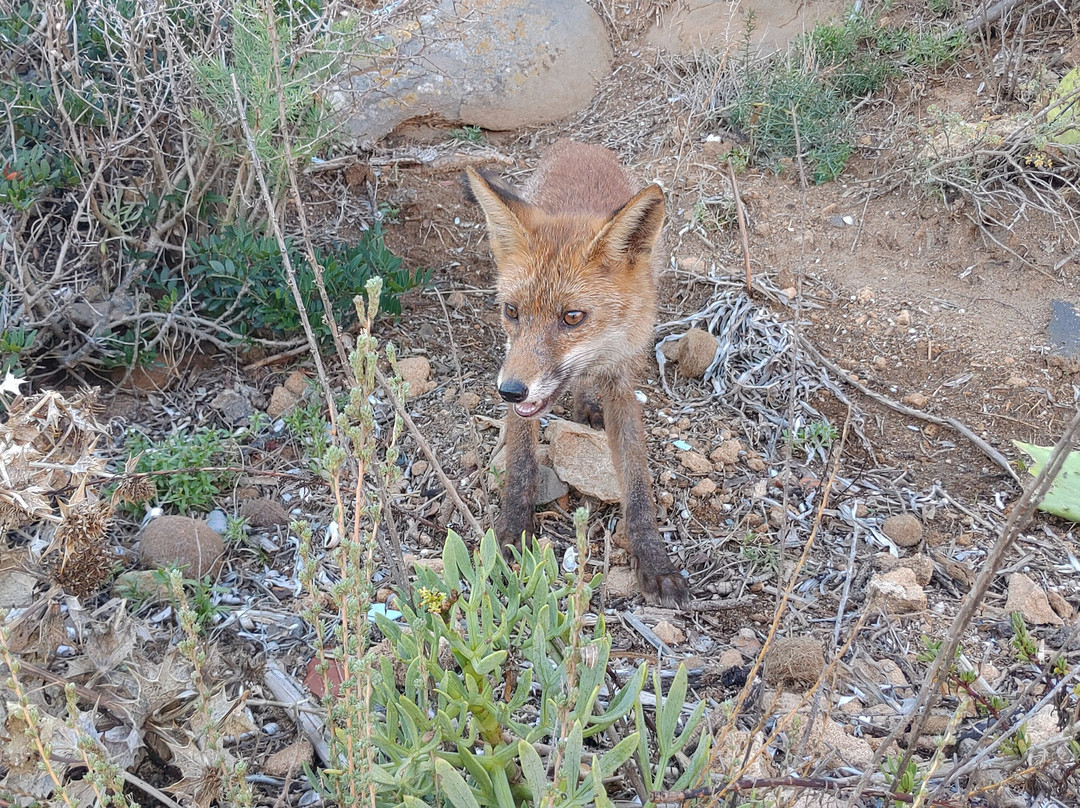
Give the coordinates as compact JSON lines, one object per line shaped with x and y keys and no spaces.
{"x":617,"y":756}
{"x":503,"y":795}
{"x":571,"y":762}
{"x":476,"y":769}
{"x":534,"y":770}
{"x":457,"y":569}
{"x":688,"y":728}
{"x":454,"y":786}
{"x":489,"y":663}
{"x":489,"y":551}
{"x":1063,"y":498}
{"x":667,"y":717}
{"x":623,"y":703}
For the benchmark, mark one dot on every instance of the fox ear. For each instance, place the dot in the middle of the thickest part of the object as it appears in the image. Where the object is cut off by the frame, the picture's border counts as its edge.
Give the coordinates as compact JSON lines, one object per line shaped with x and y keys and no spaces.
{"x":505,"y":211}
{"x":633,"y":229}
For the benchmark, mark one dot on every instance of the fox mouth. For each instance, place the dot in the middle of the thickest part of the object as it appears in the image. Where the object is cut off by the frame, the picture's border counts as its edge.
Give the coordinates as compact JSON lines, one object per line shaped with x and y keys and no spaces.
{"x":531,"y":409}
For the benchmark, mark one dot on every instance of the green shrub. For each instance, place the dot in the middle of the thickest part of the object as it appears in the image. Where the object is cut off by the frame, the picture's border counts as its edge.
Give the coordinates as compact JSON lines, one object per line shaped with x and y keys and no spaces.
{"x":815,"y":88}
{"x":492,"y":661}
{"x":191,"y":456}
{"x":238,"y":277}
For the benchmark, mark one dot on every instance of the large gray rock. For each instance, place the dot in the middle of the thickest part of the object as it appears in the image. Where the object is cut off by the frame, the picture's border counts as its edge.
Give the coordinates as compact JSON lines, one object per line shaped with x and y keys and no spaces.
{"x":498,"y":64}
{"x":720,"y":25}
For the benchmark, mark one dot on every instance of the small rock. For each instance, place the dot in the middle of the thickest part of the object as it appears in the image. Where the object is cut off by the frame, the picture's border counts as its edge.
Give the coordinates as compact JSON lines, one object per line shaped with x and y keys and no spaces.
{"x":456,"y":299}
{"x":899,"y":591}
{"x":796,"y":661}
{"x":416,"y":370}
{"x":289,"y":759}
{"x":263,"y":512}
{"x":234,"y":407}
{"x":921,"y":565}
{"x":904,"y":529}
{"x":731,"y":658}
{"x":669,"y":633}
{"x":746,"y":642}
{"x":142,"y":584}
{"x":581,"y":458}
{"x":705,"y":488}
{"x":1042,"y":728}
{"x":1061,"y":606}
{"x":419,"y":468}
{"x":865,"y":295}
{"x":296,"y":383}
{"x":1017,"y":382}
{"x":755,"y":464}
{"x":434,"y":564}
{"x":903,"y":319}
{"x":181,"y":541}
{"x":1028,"y":598}
{"x":282,"y":401}
{"x":727,"y":453}
{"x":469,"y":400}
{"x":217,"y":521}
{"x":695,"y":352}
{"x":916,"y":400}
{"x":549,"y":487}
{"x":880,"y":363}
{"x":696,"y":463}
{"x":620,"y":582}
{"x":469,"y":460}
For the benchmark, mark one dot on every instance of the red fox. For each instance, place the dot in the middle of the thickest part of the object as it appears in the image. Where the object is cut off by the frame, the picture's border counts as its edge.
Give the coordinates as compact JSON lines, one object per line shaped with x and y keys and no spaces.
{"x":576,"y":263}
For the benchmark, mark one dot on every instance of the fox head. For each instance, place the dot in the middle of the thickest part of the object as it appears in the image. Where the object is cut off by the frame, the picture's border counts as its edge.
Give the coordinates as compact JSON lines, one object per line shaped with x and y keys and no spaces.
{"x":577,"y":290}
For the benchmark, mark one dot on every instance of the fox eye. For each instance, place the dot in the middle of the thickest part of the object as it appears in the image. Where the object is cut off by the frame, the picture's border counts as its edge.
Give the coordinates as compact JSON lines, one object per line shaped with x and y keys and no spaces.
{"x":574,"y":317}
{"x":510,"y":310}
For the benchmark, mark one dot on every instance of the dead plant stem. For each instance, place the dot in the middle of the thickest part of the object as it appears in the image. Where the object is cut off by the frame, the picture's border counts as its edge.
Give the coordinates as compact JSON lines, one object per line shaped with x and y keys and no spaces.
{"x":740,"y":214}
{"x":425,"y":447}
{"x":290,"y":271}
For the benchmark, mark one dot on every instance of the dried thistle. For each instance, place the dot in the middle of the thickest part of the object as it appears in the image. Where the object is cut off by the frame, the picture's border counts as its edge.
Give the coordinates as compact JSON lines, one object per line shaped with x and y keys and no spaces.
{"x":134,"y":488}
{"x":87,"y":559}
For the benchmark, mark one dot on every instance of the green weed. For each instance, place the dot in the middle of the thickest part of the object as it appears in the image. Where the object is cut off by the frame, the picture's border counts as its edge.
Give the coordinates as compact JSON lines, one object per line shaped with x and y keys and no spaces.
{"x":199,"y":596}
{"x":468,"y":134}
{"x":803,"y":104}
{"x":191,"y":456}
{"x":814,"y":439}
{"x":461,"y":717}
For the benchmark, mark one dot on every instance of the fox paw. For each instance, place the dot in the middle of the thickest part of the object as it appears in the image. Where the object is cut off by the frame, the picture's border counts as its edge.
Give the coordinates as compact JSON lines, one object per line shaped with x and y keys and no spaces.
{"x":660,"y":582}
{"x":667,"y":589}
{"x":510,"y":532}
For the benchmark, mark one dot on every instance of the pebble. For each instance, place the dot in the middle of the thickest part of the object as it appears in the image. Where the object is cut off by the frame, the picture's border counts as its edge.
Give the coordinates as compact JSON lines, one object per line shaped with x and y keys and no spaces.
{"x":216,"y":520}
{"x":696,"y":463}
{"x":916,"y":400}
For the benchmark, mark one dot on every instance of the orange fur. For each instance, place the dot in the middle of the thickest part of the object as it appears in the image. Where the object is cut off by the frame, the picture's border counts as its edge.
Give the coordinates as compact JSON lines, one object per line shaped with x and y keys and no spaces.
{"x":577,"y":265}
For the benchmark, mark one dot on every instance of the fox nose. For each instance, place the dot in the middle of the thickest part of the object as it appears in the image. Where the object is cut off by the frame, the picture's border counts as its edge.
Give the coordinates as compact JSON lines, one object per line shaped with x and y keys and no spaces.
{"x":513,"y":391}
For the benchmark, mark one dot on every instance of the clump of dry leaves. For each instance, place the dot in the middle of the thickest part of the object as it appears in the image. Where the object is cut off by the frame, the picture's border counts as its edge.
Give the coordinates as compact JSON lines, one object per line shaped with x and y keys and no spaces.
{"x":50,"y":475}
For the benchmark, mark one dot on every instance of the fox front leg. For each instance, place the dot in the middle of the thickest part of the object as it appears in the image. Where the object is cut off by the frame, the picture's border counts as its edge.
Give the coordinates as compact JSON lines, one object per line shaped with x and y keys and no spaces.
{"x":660,"y":580}
{"x":519,"y":488}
